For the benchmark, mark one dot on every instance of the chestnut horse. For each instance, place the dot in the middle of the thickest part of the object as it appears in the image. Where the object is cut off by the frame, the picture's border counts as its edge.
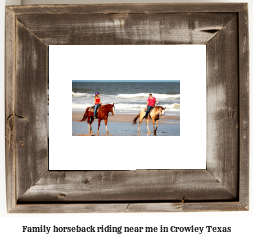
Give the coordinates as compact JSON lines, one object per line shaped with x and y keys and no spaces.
{"x":153,"y":115}
{"x":102,"y":114}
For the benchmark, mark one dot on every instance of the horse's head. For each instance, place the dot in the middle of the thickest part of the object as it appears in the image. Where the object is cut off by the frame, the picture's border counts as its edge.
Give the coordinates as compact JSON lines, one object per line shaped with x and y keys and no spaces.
{"x":112,"y":109}
{"x":161,"y":110}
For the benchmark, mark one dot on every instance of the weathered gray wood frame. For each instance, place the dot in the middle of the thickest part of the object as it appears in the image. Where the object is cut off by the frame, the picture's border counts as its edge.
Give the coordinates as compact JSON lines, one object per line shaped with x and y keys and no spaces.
{"x":223,"y":186}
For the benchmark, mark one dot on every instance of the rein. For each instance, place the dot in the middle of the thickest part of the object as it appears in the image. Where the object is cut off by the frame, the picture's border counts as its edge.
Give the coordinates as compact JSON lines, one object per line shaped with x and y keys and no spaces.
{"x":112,"y":110}
{"x":157,"y":112}
{"x":108,"y":109}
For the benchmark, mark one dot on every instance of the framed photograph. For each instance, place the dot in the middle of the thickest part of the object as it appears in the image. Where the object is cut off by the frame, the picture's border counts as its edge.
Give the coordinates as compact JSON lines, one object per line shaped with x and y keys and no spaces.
{"x":156,"y":76}
{"x":176,"y":136}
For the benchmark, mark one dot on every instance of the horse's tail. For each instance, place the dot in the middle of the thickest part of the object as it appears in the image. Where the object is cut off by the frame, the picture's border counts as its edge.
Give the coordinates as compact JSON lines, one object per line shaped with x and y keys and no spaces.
{"x":85,"y":115}
{"x":135,"y":119}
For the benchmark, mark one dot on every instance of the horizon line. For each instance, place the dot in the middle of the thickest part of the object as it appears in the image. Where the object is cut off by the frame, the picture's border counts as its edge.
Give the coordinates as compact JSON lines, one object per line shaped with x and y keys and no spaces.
{"x":111,"y":81}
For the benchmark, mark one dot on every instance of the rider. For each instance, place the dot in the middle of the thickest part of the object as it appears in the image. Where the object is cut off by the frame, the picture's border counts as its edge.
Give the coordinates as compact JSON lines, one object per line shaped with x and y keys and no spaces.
{"x":97,"y":102}
{"x":150,"y":104}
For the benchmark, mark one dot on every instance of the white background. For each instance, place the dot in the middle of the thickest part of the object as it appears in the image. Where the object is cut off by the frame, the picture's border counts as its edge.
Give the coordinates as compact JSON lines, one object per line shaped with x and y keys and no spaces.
{"x":181,"y":62}
{"x":11,"y":224}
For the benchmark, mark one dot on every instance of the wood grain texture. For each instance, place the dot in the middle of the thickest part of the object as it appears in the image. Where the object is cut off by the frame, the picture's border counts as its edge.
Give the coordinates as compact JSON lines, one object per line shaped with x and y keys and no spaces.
{"x":155,"y":8}
{"x":139,"y":185}
{"x":129,"y":207}
{"x":186,"y":207}
{"x":10,"y":65}
{"x":120,"y":29}
{"x":244,"y":106}
{"x":223,"y":107}
{"x":223,"y":186}
{"x":30,"y":108}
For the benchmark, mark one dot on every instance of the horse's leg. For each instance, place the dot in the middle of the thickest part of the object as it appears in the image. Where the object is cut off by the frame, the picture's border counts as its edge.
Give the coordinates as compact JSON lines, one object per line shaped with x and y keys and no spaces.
{"x":92,"y":119}
{"x":147,"y":125}
{"x":88,"y":121}
{"x":139,"y":124}
{"x":106,"y":126}
{"x":99,"y":120}
{"x":153,"y":120}
{"x":156,"y":125}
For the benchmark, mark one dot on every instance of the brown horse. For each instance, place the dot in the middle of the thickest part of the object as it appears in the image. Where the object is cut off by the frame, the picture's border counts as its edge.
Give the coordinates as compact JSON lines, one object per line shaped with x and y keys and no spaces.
{"x":102,"y":114}
{"x":153,"y":115}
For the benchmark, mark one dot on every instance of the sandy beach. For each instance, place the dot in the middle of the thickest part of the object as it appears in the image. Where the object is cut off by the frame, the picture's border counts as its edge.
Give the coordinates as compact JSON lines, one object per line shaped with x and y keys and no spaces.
{"x":121,"y":125}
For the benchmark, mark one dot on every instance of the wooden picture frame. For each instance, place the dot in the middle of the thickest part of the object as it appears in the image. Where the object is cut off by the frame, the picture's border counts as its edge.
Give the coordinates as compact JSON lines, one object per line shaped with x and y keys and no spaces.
{"x":222,"y":186}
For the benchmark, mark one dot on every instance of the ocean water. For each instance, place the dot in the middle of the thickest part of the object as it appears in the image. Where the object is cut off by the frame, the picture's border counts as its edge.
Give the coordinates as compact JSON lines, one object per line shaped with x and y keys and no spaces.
{"x":128,"y":97}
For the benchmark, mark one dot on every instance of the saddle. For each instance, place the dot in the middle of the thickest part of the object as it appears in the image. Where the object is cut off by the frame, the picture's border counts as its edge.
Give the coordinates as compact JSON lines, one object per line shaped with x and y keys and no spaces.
{"x":148,"y":116}
{"x":91,"y":109}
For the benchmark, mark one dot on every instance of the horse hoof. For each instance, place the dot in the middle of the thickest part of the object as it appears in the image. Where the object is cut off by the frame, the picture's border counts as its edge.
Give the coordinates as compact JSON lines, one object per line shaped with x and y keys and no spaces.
{"x":98,"y":132}
{"x":107,"y":132}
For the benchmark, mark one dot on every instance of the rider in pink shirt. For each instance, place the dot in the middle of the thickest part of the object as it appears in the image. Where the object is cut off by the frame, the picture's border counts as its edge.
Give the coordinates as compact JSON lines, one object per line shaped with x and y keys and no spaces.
{"x":150,"y":104}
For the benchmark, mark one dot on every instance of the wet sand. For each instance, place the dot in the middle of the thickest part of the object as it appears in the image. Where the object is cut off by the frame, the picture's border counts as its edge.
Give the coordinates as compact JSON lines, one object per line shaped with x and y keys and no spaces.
{"x":121,"y":125}
{"x":77,"y":116}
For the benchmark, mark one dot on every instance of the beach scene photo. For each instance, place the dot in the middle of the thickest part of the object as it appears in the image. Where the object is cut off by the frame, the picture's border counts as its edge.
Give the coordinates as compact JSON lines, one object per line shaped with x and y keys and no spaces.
{"x":123,"y":104}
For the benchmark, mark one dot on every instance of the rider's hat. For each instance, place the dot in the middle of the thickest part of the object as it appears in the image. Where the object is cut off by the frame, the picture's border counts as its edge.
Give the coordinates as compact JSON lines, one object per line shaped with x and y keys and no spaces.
{"x":96,"y":93}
